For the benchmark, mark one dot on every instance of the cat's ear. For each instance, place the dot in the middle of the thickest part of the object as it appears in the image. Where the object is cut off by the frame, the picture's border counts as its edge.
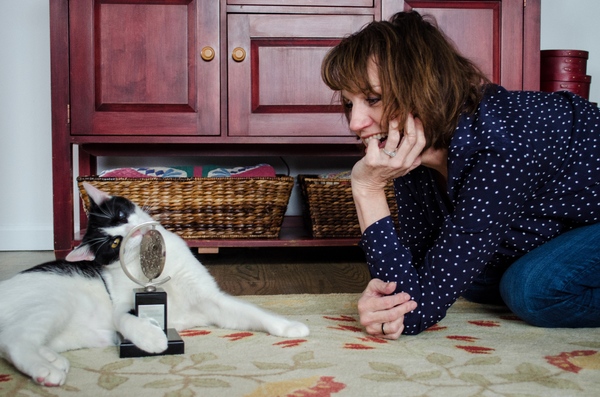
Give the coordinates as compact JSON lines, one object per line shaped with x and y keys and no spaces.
{"x":81,"y":253}
{"x":96,"y":195}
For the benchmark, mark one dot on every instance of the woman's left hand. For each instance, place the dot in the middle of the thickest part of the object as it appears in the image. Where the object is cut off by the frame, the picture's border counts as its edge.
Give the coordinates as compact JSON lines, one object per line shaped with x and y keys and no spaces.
{"x":382,"y":314}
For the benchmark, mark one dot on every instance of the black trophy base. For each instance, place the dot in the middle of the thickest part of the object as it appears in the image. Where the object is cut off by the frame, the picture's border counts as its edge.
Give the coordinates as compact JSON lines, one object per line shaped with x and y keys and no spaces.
{"x":175,"y":346}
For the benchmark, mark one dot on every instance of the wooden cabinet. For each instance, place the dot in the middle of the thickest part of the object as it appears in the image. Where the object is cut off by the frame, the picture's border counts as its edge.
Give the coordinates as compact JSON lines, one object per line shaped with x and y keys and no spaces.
{"x":233,"y":77}
{"x":136,"y":68}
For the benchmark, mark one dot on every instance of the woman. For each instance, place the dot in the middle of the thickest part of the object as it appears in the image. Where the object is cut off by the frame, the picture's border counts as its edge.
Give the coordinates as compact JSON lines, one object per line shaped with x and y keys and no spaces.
{"x":498,"y":192}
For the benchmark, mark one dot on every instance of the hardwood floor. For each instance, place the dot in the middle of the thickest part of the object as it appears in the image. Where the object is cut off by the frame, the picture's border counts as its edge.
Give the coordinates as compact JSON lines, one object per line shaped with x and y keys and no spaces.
{"x":257,"y":271}
{"x":289,"y":270}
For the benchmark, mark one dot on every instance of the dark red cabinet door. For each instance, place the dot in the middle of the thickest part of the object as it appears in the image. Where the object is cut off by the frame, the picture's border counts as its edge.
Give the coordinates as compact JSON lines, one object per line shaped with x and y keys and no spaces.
{"x":490,"y":33}
{"x":136,"y":67}
{"x":276,"y":89}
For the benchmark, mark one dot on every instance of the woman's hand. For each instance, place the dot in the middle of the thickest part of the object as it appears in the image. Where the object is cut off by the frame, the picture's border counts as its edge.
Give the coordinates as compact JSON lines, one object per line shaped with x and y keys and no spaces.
{"x":371,"y":174}
{"x":399,"y":156}
{"x":382,"y":314}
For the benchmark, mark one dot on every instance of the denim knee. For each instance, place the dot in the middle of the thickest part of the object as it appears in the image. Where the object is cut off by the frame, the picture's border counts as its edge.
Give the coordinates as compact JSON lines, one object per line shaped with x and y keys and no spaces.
{"x":558,"y":283}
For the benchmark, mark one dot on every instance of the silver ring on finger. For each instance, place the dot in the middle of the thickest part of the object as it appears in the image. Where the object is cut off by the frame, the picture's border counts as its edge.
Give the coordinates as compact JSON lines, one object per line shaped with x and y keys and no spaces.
{"x":391,"y":154}
{"x":383,"y":324}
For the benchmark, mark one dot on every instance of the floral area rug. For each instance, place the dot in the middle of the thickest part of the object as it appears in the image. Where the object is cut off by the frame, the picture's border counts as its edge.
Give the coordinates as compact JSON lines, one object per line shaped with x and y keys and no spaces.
{"x":477,"y":350}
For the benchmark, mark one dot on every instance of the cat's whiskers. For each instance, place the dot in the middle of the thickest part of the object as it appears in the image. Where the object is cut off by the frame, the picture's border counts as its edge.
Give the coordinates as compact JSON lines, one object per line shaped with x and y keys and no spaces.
{"x":100,"y":215}
{"x":146,"y":207}
{"x":105,"y":211}
{"x":98,"y":240}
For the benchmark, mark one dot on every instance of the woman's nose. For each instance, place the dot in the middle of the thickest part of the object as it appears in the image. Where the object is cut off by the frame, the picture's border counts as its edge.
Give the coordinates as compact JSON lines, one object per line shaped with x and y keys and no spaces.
{"x":359,"y":119}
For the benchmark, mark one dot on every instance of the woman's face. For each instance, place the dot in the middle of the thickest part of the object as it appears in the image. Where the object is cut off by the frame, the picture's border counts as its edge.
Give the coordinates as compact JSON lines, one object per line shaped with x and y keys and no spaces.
{"x":365,"y":111}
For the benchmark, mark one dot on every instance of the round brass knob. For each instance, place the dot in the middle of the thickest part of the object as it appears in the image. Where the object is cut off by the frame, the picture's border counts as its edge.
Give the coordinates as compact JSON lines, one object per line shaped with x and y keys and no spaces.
{"x":238,"y":54}
{"x":207,"y":53}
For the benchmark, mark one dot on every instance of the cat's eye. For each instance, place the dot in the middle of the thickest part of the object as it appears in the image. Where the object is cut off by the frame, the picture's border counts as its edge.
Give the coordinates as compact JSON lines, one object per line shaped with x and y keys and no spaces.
{"x":122,"y":216}
{"x":116,"y":243}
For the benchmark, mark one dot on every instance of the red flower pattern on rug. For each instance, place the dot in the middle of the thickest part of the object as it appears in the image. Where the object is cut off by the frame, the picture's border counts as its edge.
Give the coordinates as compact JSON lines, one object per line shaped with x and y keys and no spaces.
{"x":290,"y":343}
{"x":576,"y":360}
{"x":485,"y":323}
{"x":476,"y":349}
{"x":462,"y":338}
{"x":324,"y":388}
{"x":316,"y":386}
{"x":357,"y":346}
{"x":436,"y":327}
{"x":341,"y":318}
{"x":238,"y":335}
{"x":194,"y":332}
{"x":373,"y":339}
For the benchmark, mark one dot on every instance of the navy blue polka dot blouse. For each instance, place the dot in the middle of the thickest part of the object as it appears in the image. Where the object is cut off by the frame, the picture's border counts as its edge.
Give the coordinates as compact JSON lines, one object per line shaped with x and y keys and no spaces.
{"x":522,"y":170}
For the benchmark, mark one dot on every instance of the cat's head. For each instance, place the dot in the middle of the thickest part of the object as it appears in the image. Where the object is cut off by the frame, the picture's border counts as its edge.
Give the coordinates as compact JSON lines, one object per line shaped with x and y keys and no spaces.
{"x":110,"y":218}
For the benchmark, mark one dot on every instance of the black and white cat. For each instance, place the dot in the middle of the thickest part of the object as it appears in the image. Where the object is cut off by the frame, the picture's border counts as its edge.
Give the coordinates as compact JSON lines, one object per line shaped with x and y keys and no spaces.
{"x":84,"y":300}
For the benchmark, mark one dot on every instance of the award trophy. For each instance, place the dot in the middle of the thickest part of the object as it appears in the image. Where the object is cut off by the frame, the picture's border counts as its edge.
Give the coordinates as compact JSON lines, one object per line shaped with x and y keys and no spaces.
{"x":150,"y":301}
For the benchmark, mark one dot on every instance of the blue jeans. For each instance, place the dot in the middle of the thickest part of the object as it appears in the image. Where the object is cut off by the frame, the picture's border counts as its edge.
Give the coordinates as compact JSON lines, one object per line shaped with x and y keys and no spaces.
{"x":555,"y":285}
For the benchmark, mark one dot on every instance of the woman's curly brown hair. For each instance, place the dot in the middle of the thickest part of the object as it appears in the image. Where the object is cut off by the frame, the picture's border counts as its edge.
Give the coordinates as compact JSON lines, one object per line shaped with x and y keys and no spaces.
{"x":420,"y":72}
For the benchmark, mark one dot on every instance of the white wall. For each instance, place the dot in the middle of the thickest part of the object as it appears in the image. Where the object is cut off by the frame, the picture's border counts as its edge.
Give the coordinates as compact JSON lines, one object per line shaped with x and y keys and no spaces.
{"x":25,"y":140}
{"x":25,"y":130}
{"x":573,"y":24}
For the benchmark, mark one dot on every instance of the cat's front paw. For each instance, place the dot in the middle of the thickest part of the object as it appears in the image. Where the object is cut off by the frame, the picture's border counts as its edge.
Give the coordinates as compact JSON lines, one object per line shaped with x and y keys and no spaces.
{"x":291,"y":329}
{"x":150,"y":338}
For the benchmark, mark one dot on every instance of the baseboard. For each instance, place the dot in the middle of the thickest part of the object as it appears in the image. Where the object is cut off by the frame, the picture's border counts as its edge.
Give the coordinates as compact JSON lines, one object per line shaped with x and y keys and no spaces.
{"x":32,"y":238}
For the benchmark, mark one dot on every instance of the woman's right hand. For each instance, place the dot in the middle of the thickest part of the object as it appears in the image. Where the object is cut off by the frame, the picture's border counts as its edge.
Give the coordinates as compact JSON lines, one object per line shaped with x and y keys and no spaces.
{"x":371,"y":174}
{"x":376,"y":168}
{"x":382,"y":314}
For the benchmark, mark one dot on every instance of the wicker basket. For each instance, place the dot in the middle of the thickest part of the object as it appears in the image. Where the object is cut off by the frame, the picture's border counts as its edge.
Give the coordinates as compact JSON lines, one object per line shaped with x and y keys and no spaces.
{"x":330,"y":206}
{"x":205,"y":208}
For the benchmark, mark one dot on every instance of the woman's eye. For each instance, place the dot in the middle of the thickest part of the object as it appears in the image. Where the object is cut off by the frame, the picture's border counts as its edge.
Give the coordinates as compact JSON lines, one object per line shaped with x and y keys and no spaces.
{"x":347,"y":105}
{"x":115,"y":243}
{"x":373,"y":100}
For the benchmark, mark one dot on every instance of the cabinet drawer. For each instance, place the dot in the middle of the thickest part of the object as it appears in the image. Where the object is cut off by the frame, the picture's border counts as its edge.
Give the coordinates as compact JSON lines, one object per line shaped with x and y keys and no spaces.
{"x":314,"y":3}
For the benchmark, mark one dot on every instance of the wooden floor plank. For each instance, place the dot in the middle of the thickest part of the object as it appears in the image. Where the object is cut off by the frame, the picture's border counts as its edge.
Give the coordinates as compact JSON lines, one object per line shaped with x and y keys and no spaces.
{"x":307,"y":270}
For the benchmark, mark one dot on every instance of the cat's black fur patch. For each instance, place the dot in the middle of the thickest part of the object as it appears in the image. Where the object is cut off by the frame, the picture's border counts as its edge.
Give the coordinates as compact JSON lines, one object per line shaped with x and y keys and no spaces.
{"x":110,"y":213}
{"x":64,"y":268}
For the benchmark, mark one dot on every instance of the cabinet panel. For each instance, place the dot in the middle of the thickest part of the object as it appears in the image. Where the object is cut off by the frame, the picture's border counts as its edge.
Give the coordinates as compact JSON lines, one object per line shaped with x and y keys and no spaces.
{"x":276,"y":90}
{"x":136,"y":67}
{"x":312,"y":3}
{"x":490,"y":33}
